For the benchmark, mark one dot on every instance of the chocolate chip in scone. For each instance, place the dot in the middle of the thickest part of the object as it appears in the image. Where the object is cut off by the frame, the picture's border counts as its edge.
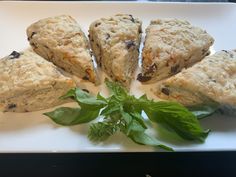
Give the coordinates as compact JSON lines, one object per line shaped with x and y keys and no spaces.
{"x":151,"y":69}
{"x":204,"y":51}
{"x":225,"y":51}
{"x":11,"y":106}
{"x":31,"y":36}
{"x":165,"y":90}
{"x":129,"y":44}
{"x":85,"y":90}
{"x":33,"y":45}
{"x":142,"y":78}
{"x":14,"y":55}
{"x":174,"y":69}
{"x":92,"y":40}
{"x":230,"y":54}
{"x":108,"y":36}
{"x":33,"y":33}
{"x":140,"y":30}
{"x":97,"y":24}
{"x":85,"y":78}
{"x":100,"y":63}
{"x":213,"y":80}
{"x":132,"y":18}
{"x":208,"y":53}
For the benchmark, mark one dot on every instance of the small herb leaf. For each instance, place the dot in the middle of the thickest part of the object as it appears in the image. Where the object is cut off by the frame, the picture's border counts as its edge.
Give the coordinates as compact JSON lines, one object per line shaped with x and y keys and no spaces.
{"x":202,"y":111}
{"x":69,"y":94}
{"x":177,"y":118}
{"x":144,"y":139}
{"x":116,"y":89}
{"x":71,"y":116}
{"x":101,"y":131}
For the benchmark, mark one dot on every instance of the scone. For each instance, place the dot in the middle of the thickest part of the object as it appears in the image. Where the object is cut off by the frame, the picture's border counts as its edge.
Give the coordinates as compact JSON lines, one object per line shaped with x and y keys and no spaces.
{"x":115,"y":42}
{"x":30,"y":83}
{"x":212,"y":79}
{"x":60,"y":40}
{"x":170,"y":46}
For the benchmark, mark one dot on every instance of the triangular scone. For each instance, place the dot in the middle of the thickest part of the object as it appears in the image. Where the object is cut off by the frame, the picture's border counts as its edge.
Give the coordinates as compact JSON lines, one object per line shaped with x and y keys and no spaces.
{"x":170,"y":46}
{"x":60,"y":40}
{"x":214,"y":78}
{"x":30,"y":83}
{"x":115,"y":42}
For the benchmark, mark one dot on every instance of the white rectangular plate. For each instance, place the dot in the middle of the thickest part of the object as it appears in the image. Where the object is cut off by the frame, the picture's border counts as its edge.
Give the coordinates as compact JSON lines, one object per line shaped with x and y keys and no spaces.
{"x":32,"y":132}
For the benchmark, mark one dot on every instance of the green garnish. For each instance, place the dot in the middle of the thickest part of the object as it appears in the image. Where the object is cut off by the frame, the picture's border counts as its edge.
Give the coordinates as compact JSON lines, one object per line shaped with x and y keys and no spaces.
{"x":122,"y":112}
{"x":202,"y":111}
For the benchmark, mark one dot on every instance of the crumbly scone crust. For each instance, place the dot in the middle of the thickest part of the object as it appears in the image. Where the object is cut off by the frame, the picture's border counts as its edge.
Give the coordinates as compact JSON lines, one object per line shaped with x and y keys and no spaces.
{"x":214,"y":78}
{"x":171,"y":45}
{"x":115,"y":42}
{"x":60,"y":40}
{"x":29,"y":83}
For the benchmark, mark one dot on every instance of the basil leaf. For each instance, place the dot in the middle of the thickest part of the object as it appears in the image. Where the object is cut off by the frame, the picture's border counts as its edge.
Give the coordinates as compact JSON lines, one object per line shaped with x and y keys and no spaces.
{"x":177,"y":118}
{"x":116,"y":89}
{"x":144,"y":139}
{"x":141,"y":103}
{"x":202,"y":111}
{"x":100,"y":97}
{"x":134,"y":126}
{"x":138,"y":117}
{"x":131,"y":104}
{"x":71,"y":116}
{"x":136,"y":132}
{"x":112,"y":105}
{"x":69,"y":94}
{"x":84,"y":99}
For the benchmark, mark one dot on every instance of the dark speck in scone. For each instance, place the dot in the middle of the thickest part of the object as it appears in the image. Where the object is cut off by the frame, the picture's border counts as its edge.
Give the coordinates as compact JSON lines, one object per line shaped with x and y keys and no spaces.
{"x":30,"y":83}
{"x":11,"y":106}
{"x":172,"y":45}
{"x":14,"y":55}
{"x":210,"y":80}
{"x":115,"y":42}
{"x":60,"y":40}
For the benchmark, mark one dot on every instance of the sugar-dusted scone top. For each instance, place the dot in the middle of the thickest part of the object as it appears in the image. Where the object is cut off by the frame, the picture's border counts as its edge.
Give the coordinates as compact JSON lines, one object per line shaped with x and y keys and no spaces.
{"x":60,"y":40}
{"x":212,"y":79}
{"x":171,"y":45}
{"x":115,"y":42}
{"x":29,"y":83}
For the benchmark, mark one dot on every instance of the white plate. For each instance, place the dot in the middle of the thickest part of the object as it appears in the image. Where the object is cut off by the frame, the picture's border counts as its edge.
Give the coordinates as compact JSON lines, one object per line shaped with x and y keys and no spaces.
{"x":32,"y":132}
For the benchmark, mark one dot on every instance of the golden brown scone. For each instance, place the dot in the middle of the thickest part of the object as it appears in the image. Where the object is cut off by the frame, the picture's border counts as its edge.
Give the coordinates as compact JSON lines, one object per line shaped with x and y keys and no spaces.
{"x":60,"y":40}
{"x":212,"y":79}
{"x":170,"y":46}
{"x":30,"y":83}
{"x":115,"y":42}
